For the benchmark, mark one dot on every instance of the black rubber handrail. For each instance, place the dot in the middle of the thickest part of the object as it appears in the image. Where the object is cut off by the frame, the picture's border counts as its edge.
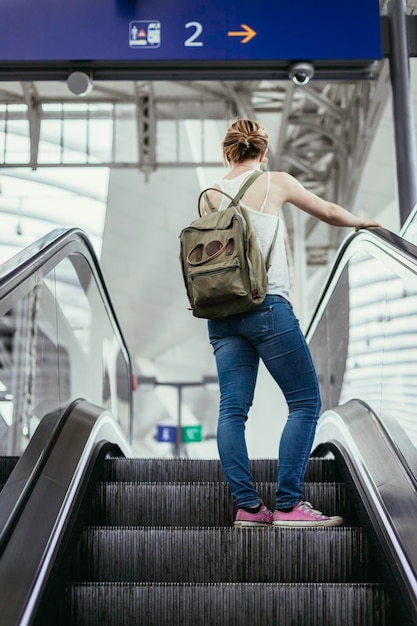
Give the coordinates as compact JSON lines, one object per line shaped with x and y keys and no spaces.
{"x":378,"y":466}
{"x":27,"y":470}
{"x":22,"y":272}
{"x":381,"y":237}
{"x":405,"y":253}
{"x":354,"y":434}
{"x":41,"y":498}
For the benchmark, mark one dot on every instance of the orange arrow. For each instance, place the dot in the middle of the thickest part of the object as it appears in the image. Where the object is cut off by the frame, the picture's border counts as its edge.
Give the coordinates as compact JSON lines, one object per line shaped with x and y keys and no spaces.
{"x":248,"y":33}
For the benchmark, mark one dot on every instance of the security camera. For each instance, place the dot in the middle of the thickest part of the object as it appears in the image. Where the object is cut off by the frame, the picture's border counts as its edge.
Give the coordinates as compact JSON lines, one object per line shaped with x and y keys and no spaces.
{"x":301,"y":73}
{"x":79,"y":83}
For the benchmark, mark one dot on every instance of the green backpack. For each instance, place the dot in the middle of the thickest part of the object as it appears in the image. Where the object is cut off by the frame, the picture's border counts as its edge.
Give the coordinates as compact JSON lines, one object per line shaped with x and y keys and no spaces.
{"x":222,"y":265}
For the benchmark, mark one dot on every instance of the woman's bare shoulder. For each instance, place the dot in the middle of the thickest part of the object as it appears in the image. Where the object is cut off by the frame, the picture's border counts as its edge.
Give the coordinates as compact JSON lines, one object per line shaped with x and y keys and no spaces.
{"x":282,"y":178}
{"x":286,"y":185}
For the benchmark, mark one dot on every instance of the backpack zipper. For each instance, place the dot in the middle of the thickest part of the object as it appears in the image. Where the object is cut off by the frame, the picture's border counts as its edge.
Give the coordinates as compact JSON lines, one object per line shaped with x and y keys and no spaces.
{"x":193,"y":275}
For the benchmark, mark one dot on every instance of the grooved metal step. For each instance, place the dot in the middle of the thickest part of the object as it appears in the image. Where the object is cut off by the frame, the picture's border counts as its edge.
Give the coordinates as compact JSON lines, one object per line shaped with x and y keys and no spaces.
{"x":196,"y":504}
{"x":224,"y":604}
{"x":206,"y":470}
{"x":221,"y":554}
{"x":160,"y":549}
{"x":7,"y":465}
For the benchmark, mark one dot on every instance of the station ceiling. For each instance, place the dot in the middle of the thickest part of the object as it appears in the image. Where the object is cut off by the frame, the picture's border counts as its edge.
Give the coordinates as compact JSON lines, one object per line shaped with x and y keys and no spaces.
{"x":334,"y":136}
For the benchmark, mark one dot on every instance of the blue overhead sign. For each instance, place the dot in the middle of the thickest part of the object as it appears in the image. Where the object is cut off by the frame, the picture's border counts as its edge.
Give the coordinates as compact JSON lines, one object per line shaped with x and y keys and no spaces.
{"x":185,"y":30}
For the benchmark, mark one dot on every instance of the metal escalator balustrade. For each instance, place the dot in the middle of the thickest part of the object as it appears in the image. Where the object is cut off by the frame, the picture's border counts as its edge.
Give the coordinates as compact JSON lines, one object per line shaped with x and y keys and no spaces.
{"x":40,"y":501}
{"x":363,"y":336}
{"x":59,"y":338}
{"x":154,"y":545}
{"x":60,"y":342}
{"x":363,"y":339}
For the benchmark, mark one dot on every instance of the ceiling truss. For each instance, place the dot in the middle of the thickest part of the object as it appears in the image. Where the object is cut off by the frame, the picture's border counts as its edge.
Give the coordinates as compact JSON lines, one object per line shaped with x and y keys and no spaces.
{"x":322,"y":131}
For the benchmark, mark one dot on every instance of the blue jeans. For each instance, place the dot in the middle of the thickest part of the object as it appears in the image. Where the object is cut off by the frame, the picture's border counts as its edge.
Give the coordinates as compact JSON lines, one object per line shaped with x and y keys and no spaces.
{"x":270,"y":332}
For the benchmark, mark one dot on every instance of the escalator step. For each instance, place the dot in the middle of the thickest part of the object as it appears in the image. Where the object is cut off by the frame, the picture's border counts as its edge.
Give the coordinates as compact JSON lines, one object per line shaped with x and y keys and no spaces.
{"x":222,"y":554}
{"x":7,"y":465}
{"x":196,"y":504}
{"x":229,"y":604}
{"x":205,"y":470}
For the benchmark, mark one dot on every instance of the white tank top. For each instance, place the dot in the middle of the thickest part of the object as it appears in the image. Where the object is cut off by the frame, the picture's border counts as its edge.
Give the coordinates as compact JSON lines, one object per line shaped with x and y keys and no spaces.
{"x":264,"y":226}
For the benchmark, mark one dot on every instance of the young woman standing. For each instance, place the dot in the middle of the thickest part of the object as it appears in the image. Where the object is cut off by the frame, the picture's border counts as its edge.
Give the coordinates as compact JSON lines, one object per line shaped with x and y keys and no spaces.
{"x":270,"y":332}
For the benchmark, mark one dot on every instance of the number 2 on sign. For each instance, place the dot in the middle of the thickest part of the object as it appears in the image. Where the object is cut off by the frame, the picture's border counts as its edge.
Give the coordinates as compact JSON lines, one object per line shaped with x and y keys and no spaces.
{"x":192,"y":39}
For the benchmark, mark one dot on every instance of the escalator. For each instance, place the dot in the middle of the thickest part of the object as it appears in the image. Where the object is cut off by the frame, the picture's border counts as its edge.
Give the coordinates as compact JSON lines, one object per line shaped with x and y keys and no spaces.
{"x":89,"y":535}
{"x":155,"y":555}
{"x":152,"y":543}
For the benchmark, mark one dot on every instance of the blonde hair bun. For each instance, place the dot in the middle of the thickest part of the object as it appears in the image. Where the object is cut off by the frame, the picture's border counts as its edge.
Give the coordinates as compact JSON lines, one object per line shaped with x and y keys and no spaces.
{"x":244,"y":139}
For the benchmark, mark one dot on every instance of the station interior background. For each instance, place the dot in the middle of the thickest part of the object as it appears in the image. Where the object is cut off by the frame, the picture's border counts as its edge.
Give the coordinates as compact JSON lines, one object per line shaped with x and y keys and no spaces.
{"x":126,"y":163}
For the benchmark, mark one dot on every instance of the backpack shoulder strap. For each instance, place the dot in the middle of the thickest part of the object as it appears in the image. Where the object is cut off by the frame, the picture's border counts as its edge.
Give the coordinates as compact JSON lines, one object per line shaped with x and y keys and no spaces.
{"x":269,"y":255}
{"x":211,"y":206}
{"x":247,"y":184}
{"x":233,"y":201}
{"x":207,"y":200}
{"x":238,"y":196}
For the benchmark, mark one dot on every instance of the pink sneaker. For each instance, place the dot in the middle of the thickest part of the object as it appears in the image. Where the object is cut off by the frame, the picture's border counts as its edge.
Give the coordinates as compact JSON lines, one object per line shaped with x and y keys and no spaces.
{"x":304,"y":515}
{"x":262,"y":518}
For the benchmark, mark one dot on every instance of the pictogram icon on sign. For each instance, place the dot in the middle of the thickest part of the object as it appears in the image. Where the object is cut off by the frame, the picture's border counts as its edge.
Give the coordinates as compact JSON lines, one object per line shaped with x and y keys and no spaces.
{"x":145,"y":34}
{"x":166,"y":434}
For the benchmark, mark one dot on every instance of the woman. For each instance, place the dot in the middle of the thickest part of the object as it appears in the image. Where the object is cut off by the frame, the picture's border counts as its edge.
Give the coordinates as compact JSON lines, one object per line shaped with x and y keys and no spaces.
{"x":270,"y":332}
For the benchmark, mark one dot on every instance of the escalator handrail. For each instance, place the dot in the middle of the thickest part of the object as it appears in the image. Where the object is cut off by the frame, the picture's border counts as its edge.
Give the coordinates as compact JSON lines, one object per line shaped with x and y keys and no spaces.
{"x":354,"y":433}
{"x":22,"y":272}
{"x":53,"y":473}
{"x":404,"y":252}
{"x":28,"y":267}
{"x":27,"y":470}
{"x":384,"y":239}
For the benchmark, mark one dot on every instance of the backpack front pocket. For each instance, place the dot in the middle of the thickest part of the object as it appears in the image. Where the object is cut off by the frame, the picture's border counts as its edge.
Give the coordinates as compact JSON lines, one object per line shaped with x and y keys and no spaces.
{"x":218,"y":284}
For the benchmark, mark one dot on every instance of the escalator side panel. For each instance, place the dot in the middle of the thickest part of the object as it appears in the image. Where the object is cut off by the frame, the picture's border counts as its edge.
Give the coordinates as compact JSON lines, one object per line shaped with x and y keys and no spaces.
{"x":52,"y":499}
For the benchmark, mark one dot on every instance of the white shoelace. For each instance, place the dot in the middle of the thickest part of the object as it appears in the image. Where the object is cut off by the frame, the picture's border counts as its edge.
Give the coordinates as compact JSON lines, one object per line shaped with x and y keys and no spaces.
{"x":310,"y":510}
